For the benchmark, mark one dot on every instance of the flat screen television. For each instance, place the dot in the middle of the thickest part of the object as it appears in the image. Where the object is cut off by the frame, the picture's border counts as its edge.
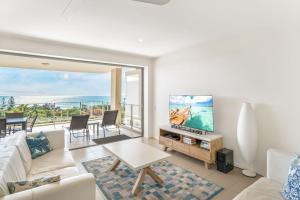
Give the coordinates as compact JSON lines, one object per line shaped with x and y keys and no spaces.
{"x":192,"y":111}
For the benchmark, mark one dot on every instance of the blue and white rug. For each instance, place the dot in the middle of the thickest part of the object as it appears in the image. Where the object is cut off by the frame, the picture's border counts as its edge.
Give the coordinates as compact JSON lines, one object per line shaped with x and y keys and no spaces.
{"x":178,"y":183}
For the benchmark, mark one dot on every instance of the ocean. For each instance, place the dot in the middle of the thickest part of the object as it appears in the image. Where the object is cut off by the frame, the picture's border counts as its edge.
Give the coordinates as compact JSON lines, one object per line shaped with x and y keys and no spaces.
{"x":63,"y":102}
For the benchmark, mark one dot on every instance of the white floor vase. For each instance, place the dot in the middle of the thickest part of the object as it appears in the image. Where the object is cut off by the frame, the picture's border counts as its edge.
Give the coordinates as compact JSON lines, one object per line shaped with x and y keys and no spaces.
{"x":247,"y":137}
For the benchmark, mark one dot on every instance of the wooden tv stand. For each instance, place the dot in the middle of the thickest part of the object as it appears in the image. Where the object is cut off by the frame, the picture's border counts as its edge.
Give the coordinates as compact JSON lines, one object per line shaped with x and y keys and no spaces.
{"x":193,"y":150}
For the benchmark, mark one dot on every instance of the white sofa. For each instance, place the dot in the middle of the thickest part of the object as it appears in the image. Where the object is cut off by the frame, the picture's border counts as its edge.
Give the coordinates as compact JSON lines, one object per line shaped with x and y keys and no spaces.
{"x":269,"y":188}
{"x":16,"y":165}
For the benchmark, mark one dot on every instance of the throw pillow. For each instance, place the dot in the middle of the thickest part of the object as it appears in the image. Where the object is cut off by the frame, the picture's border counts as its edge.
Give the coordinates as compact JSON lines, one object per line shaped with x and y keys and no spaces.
{"x":291,"y":189}
{"x":19,"y":186}
{"x":38,"y":145}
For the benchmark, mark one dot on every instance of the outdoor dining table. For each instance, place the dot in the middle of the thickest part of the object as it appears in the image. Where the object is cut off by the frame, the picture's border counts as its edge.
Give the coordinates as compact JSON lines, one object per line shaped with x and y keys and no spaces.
{"x":17,"y":121}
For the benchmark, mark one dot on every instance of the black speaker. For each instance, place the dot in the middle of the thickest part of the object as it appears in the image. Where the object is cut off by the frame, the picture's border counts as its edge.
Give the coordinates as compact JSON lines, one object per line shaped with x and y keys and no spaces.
{"x":224,"y":160}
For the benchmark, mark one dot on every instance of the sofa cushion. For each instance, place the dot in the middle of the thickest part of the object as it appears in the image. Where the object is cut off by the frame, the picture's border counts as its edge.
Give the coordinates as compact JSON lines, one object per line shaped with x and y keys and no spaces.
{"x":56,"y":137}
{"x":11,"y":168}
{"x":9,"y":140}
{"x":291,"y":189}
{"x":263,"y":189}
{"x":63,"y":173}
{"x":38,"y":145}
{"x":24,"y":151}
{"x":56,"y":159}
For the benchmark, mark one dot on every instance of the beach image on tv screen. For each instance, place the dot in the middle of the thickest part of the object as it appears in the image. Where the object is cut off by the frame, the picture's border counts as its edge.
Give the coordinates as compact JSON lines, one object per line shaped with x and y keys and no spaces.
{"x":192,"y":111}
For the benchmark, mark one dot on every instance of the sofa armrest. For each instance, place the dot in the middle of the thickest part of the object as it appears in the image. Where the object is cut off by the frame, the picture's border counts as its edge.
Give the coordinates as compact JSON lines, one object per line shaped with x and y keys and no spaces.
{"x":55,"y":137}
{"x":278,"y":164}
{"x":75,"y":188}
{"x":24,"y":195}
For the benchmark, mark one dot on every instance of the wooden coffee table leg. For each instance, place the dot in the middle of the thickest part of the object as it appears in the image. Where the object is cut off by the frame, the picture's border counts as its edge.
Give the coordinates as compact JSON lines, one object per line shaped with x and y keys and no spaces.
{"x":141,"y":176}
{"x":115,"y":165}
{"x":154,"y":175}
{"x":139,"y":181}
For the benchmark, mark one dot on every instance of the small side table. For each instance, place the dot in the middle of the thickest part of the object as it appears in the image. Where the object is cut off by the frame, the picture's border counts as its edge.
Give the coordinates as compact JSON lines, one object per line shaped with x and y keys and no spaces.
{"x":95,"y":126}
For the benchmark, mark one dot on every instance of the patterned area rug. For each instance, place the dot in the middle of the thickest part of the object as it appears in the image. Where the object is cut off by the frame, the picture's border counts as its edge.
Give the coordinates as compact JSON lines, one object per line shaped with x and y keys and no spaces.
{"x":178,"y":183}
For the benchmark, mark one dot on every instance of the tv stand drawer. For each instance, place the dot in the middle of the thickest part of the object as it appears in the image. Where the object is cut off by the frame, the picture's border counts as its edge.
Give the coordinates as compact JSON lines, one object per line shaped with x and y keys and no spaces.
{"x":199,"y":153}
{"x":165,"y":141}
{"x":184,"y":148}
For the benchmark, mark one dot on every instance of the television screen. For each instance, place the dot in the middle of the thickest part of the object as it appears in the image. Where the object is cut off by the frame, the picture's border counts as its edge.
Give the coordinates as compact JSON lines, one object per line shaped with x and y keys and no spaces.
{"x":192,"y":111}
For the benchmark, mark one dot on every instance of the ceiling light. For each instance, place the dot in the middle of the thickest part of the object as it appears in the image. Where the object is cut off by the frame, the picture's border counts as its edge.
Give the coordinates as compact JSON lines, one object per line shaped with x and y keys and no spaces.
{"x":140,"y":40}
{"x":157,"y":2}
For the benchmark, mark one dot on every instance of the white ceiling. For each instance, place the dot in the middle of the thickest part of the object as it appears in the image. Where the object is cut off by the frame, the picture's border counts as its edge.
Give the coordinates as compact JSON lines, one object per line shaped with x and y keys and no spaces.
{"x":141,"y":28}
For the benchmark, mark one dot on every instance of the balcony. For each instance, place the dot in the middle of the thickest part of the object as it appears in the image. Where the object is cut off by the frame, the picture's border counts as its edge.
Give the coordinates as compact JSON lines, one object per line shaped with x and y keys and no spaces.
{"x":61,"y":113}
{"x":58,"y":115}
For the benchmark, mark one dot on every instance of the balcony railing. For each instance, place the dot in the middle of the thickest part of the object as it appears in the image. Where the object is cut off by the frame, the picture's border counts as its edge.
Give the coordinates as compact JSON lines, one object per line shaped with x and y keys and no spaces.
{"x":57,"y":113}
{"x":132,"y":116}
{"x":49,"y":113}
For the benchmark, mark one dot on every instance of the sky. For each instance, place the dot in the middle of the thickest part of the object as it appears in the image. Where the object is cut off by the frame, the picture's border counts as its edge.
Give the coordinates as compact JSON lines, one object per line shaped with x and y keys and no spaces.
{"x":29,"y":82}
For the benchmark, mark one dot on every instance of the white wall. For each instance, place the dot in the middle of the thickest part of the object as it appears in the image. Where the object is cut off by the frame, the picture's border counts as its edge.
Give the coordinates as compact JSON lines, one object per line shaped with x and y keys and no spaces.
{"x":259,"y":67}
{"x":18,"y":43}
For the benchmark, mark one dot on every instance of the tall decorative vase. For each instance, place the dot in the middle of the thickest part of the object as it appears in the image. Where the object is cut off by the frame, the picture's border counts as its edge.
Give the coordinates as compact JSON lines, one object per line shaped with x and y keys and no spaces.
{"x":247,"y":137}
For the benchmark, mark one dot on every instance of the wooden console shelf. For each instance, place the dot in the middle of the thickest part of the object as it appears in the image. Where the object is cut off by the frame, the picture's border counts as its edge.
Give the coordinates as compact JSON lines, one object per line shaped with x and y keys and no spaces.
{"x":193,"y":150}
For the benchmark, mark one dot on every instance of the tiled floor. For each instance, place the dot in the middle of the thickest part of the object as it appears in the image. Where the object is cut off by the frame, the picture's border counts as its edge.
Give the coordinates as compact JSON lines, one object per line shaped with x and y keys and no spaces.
{"x":232,"y":182}
{"x":81,"y":141}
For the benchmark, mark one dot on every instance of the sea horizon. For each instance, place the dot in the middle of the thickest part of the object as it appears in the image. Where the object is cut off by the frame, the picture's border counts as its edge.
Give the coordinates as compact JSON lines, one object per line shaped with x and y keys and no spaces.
{"x":60,"y":101}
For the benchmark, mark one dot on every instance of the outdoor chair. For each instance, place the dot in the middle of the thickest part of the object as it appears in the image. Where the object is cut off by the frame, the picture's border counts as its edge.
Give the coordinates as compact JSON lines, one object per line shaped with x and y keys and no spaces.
{"x":109,"y":119}
{"x":14,"y":128}
{"x":2,"y":127}
{"x":31,"y":122}
{"x":79,"y":123}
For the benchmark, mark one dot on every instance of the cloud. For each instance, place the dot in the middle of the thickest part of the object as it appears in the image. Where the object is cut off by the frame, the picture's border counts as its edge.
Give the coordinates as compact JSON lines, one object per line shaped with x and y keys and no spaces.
{"x":26,"y":82}
{"x":66,"y":76}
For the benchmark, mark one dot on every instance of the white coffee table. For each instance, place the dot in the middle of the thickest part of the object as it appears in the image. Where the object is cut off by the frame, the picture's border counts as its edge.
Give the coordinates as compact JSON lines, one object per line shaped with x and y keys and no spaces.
{"x":137,"y":155}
